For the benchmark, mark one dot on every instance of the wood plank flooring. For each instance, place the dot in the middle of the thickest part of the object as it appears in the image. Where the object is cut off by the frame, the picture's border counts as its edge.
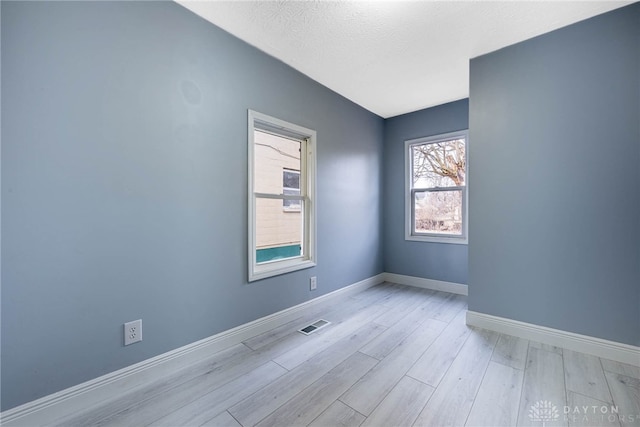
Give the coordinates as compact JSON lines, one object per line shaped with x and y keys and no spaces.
{"x":392,"y":356}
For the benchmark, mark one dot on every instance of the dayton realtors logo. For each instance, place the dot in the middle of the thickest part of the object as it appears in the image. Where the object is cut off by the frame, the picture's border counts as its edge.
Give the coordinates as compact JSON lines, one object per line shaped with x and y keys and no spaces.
{"x":545,"y":412}
{"x":598,"y":414}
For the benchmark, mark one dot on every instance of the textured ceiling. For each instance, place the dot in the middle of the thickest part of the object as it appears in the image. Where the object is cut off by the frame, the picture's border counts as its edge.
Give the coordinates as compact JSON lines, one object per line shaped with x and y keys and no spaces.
{"x":391,"y":57}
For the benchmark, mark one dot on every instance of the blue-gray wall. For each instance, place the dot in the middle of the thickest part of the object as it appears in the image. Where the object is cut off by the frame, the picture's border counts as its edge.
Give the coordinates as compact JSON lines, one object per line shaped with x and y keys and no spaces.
{"x":555,"y":179}
{"x":447,"y":262}
{"x":124,"y":160}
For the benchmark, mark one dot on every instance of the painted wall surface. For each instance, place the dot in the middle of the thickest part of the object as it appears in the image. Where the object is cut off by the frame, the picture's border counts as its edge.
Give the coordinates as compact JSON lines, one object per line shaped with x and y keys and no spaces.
{"x":124,"y":186}
{"x":438,"y":261}
{"x":555,"y":179}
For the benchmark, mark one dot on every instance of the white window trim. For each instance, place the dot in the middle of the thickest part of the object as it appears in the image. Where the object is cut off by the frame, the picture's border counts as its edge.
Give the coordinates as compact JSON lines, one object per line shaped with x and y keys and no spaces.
{"x":307,"y":178}
{"x":408,"y":209}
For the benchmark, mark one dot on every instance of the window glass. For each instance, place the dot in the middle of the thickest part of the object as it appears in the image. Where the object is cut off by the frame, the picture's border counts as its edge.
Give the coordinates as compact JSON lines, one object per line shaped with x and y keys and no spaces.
{"x":291,"y":187}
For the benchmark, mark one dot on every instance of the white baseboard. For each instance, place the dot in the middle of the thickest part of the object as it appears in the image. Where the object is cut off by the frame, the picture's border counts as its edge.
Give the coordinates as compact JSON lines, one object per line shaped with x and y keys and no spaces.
{"x":64,"y":403}
{"x":419,"y":282}
{"x":585,"y":344}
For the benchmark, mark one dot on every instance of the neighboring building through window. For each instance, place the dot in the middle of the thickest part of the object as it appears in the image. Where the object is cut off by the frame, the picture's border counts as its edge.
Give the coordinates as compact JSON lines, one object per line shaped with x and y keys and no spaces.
{"x":291,"y":187}
{"x":281,"y":197}
{"x":436,"y":188}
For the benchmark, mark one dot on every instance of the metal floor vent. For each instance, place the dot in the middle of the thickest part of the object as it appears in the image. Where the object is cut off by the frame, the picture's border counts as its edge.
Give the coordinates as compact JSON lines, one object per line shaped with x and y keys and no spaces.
{"x":318,"y":324}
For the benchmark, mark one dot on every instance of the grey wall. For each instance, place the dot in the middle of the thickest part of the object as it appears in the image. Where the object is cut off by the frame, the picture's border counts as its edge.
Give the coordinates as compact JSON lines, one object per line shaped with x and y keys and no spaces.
{"x":124,"y":186}
{"x":447,"y":262}
{"x":555,"y":179}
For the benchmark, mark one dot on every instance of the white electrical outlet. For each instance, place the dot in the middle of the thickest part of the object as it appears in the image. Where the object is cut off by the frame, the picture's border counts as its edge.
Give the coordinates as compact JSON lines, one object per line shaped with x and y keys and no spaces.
{"x":132,"y":332}
{"x":313,"y":283}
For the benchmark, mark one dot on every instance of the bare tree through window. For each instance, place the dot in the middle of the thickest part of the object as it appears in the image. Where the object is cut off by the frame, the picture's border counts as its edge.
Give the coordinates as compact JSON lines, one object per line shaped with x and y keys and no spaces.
{"x":440,"y":161}
{"x":438,"y":180}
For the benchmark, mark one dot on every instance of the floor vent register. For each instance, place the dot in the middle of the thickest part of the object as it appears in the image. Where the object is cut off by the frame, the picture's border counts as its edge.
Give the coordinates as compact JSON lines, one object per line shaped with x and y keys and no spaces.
{"x":318,"y":324}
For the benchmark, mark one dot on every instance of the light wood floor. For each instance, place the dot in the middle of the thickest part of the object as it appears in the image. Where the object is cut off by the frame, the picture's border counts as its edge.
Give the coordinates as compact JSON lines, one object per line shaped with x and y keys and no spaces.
{"x":392,"y":356}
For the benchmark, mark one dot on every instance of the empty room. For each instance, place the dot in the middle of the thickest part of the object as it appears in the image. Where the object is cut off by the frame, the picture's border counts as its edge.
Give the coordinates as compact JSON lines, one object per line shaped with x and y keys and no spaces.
{"x":320,"y":213}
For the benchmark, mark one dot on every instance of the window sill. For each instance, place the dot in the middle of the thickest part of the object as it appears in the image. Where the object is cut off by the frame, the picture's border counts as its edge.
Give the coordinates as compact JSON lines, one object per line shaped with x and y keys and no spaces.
{"x":276,"y":268}
{"x":438,"y":239}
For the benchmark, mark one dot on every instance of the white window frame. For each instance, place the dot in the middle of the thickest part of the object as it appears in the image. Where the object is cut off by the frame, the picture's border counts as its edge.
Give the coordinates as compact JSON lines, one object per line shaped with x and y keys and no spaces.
{"x":410,"y":233}
{"x":307,"y":138}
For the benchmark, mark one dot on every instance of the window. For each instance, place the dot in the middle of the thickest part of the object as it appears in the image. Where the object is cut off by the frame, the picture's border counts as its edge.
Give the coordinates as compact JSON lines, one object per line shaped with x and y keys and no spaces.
{"x":281,"y":197}
{"x":436,"y":188}
{"x":291,"y":187}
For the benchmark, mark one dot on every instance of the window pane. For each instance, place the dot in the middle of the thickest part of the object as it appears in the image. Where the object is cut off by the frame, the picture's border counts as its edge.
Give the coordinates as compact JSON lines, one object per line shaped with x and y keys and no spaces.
{"x":278,"y":233}
{"x":438,"y":212}
{"x":291,"y":179}
{"x":291,"y":205}
{"x":439,"y":164}
{"x":291,"y":187}
{"x":273,"y":154}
